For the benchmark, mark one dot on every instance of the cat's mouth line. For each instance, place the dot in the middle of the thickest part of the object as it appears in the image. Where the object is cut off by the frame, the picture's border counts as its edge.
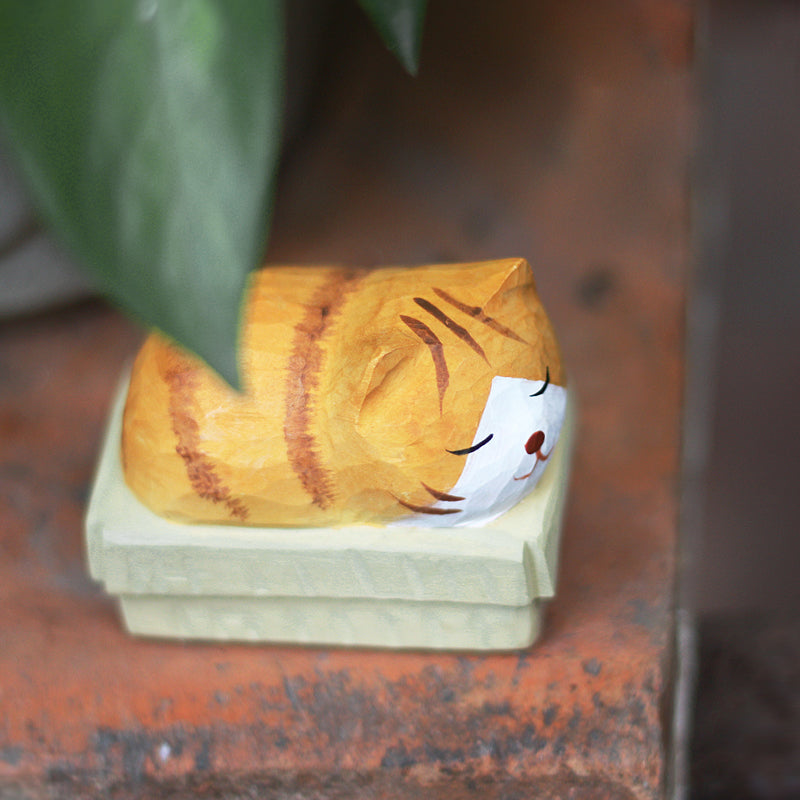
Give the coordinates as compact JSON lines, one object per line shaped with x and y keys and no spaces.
{"x":539,"y":457}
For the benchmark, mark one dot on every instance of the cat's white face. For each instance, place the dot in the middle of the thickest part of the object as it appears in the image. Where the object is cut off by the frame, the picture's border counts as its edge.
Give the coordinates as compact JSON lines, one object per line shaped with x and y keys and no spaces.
{"x":517,"y":432}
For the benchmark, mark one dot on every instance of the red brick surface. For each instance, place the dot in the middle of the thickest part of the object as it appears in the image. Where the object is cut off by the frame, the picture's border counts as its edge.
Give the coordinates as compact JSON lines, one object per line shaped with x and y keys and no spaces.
{"x":559,"y":132}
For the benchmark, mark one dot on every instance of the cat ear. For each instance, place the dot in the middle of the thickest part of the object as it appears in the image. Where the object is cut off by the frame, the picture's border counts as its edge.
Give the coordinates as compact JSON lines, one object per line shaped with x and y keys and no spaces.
{"x":476,"y":285}
{"x":506,"y":275}
{"x":397,"y":395}
{"x":383,"y":372}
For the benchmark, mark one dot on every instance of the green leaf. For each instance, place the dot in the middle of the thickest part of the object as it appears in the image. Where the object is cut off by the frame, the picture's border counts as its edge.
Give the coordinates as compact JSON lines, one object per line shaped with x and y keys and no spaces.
{"x":400,"y":23}
{"x":149,"y":132}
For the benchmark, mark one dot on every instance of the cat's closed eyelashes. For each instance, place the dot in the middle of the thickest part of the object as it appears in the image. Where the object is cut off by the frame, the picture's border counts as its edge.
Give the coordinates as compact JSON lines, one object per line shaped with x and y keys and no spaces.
{"x":431,"y":395}
{"x":541,"y":391}
{"x":465,"y":451}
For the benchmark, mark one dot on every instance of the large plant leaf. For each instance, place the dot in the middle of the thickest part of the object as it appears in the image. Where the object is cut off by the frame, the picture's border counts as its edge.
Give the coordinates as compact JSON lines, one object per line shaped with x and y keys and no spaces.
{"x":149,"y":132}
{"x":400,"y":23}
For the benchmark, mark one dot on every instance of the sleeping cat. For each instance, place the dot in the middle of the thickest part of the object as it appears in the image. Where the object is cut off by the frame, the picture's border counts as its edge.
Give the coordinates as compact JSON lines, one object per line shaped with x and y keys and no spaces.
{"x":426,"y":396}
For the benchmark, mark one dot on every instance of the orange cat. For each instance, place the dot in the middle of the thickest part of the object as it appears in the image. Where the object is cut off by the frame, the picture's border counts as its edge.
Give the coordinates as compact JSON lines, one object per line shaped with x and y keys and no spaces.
{"x":430,"y":395}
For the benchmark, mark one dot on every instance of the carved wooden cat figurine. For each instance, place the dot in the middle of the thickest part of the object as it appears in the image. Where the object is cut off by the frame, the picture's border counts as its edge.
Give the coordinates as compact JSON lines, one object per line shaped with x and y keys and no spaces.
{"x":430,"y":395}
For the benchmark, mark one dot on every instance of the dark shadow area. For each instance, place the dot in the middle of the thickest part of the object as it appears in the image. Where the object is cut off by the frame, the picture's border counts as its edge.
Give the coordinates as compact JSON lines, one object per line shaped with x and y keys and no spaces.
{"x":747,"y":745}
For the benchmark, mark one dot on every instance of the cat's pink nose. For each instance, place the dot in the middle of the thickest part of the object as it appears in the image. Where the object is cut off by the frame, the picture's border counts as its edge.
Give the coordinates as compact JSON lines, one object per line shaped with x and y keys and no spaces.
{"x":534,"y":444}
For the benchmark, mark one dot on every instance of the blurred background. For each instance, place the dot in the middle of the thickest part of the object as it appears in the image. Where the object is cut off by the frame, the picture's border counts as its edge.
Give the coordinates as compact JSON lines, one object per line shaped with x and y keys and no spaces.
{"x":742,"y":496}
{"x":750,"y":242}
{"x":744,"y":390}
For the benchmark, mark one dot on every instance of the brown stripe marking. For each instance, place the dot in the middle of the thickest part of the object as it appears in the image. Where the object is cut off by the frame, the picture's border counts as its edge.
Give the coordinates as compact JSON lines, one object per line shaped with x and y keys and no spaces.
{"x":437,"y":353}
{"x":302,"y":383}
{"x":442,"y":495}
{"x":476,"y":312}
{"x":427,"y":509}
{"x":452,"y":325}
{"x":200,"y":470}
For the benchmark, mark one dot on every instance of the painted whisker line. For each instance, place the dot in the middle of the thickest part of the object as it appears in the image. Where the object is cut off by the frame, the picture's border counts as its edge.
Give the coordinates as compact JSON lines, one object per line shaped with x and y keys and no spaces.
{"x":467,"y":450}
{"x":451,"y":325}
{"x":476,"y":312}
{"x":427,"y":509}
{"x":434,"y":344}
{"x":442,"y":495}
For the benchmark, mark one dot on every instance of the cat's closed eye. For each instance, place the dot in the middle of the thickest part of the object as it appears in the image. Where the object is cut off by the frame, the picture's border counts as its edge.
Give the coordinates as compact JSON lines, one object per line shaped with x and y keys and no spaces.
{"x":467,"y":450}
{"x":546,"y":383}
